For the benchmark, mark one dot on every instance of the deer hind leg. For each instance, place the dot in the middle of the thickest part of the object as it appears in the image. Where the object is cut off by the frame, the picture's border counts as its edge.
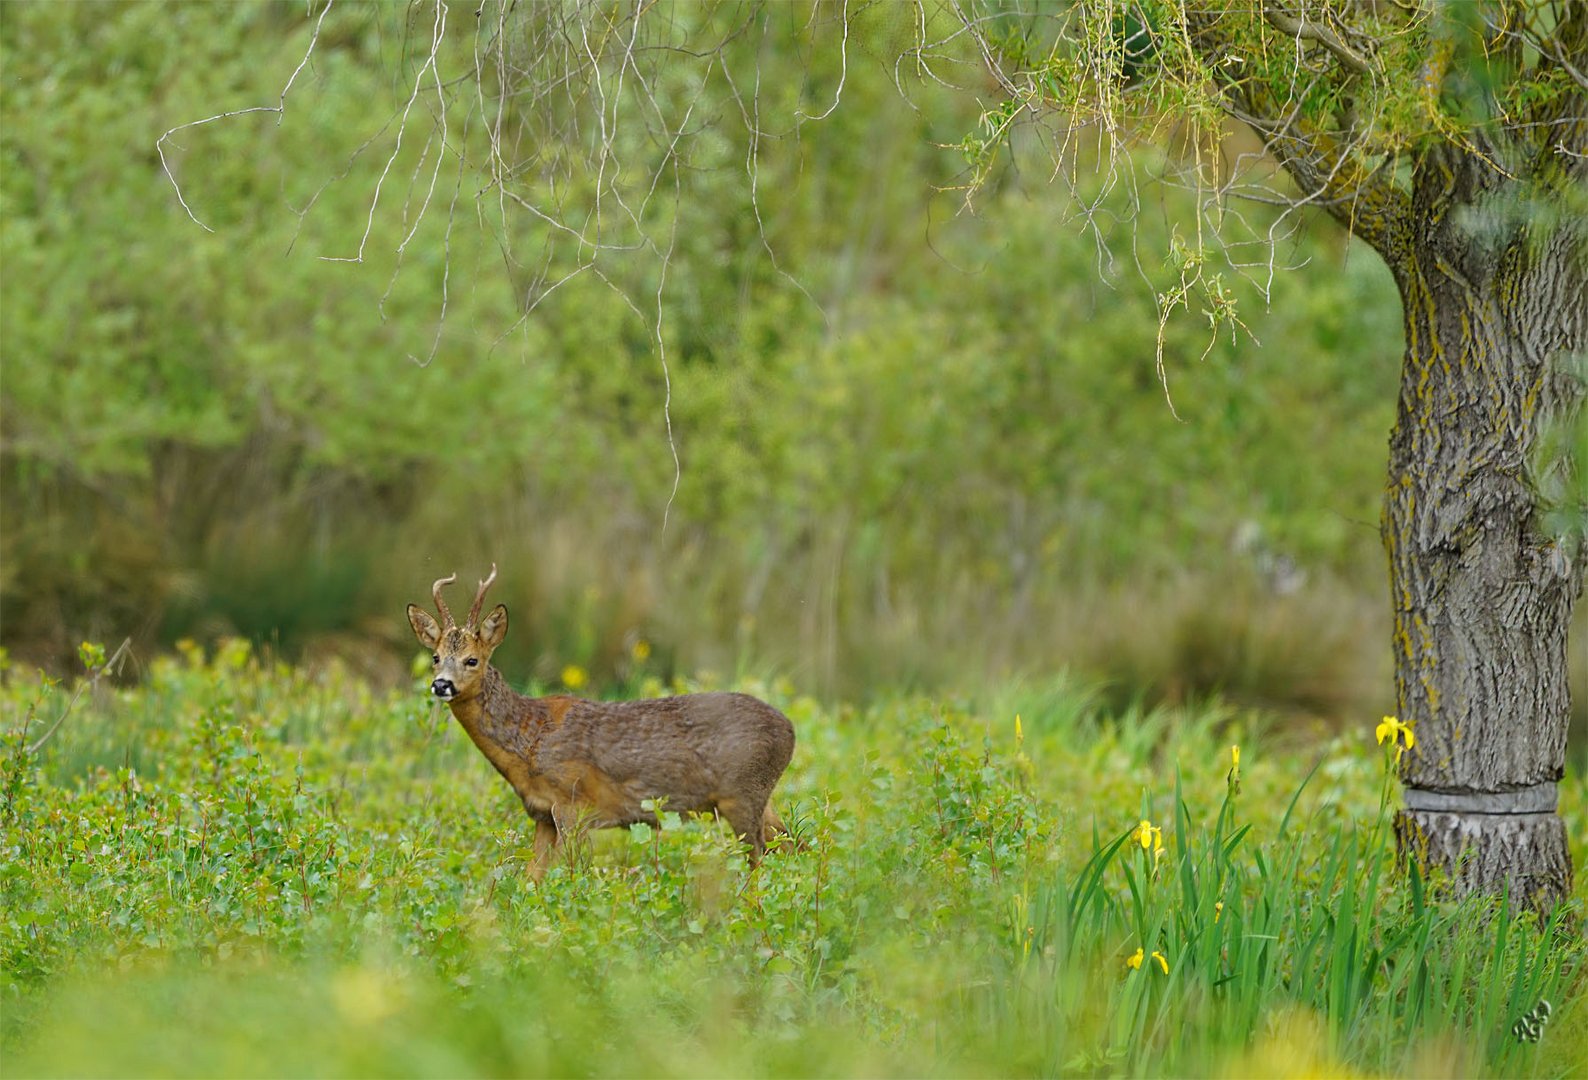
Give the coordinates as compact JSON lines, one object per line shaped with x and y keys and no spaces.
{"x":548,"y":842}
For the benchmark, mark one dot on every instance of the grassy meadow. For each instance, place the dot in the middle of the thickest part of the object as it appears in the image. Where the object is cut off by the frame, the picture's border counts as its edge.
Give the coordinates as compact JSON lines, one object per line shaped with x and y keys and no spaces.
{"x":241,"y":868}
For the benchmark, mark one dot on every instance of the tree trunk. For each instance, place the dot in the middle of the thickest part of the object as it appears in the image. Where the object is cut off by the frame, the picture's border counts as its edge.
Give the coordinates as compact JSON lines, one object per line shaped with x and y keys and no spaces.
{"x":1494,"y":315}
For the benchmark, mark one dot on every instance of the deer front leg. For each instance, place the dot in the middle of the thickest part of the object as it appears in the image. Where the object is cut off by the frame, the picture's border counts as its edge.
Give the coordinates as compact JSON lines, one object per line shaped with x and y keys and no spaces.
{"x":746,"y":818}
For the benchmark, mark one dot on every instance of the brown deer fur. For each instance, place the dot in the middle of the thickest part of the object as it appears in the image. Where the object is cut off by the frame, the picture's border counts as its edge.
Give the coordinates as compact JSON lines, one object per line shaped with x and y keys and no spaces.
{"x":592,"y":764}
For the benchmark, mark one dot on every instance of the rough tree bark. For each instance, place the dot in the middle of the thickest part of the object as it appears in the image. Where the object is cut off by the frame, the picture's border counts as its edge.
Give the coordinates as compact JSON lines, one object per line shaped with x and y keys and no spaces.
{"x":1494,"y":308}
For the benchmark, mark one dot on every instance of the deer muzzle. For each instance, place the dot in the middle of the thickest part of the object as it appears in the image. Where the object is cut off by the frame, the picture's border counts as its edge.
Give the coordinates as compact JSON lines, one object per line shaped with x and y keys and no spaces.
{"x":443,"y":689}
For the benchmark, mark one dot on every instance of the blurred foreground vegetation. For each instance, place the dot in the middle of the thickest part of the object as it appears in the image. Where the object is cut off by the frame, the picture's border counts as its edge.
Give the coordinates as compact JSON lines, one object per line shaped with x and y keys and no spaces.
{"x":238,"y":868}
{"x":922,"y":447}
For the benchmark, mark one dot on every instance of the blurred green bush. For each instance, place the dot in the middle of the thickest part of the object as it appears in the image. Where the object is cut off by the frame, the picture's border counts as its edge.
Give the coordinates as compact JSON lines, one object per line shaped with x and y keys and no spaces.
{"x":945,"y":453}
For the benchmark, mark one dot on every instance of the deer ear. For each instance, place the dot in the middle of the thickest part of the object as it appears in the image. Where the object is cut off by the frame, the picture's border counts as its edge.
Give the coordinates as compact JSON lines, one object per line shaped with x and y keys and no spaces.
{"x":494,"y":626}
{"x":426,"y":629}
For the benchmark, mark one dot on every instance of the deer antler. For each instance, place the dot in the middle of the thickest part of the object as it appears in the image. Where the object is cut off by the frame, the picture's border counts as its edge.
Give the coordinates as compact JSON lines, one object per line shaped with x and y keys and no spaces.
{"x":441,"y":605}
{"x":479,"y":597}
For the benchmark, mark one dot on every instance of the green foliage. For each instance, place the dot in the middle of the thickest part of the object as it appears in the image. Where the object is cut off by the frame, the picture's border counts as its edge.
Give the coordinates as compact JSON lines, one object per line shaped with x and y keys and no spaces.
{"x":1379,"y":81}
{"x":954,"y":422}
{"x":321,"y":880}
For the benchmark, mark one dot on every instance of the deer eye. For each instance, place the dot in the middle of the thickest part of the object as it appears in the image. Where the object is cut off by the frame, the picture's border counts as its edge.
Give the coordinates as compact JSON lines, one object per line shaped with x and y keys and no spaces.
{"x":435,"y":658}
{"x":472,"y":662}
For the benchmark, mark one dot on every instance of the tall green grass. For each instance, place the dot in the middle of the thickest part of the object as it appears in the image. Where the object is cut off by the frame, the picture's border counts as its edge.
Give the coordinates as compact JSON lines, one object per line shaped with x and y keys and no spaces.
{"x":239,"y":868}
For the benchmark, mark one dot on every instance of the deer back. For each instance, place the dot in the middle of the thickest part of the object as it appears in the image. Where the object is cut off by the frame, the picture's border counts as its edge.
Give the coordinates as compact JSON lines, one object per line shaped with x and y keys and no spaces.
{"x":693,"y":752}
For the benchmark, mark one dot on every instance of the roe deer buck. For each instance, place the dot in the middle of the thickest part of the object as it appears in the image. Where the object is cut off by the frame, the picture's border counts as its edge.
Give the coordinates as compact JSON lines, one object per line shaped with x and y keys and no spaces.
{"x":577,"y":763}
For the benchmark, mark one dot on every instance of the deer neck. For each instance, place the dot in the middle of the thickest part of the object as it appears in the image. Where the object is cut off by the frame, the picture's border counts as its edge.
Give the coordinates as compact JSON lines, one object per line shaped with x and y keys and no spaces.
{"x":496,"y":712}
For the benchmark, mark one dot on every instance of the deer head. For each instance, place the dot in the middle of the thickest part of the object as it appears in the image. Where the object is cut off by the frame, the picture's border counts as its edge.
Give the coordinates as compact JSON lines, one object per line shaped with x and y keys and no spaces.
{"x":459,"y":653}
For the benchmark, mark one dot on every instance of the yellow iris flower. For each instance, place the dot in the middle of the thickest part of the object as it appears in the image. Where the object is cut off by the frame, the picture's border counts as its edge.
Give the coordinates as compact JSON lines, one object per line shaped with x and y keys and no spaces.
{"x":1135,"y":960}
{"x":1399,"y":735}
{"x":1149,"y":836}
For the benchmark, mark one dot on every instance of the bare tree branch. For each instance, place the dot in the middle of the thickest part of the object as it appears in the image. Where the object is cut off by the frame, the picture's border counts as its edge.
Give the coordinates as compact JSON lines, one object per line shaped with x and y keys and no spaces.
{"x":437,"y":32}
{"x":279,"y":108}
{"x":1286,"y":23}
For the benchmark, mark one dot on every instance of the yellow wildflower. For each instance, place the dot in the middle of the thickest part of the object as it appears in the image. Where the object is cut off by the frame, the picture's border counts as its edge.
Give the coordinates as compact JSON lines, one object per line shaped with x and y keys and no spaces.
{"x":641,"y":651}
{"x":1023,"y":767}
{"x":1399,"y":735}
{"x":1149,"y":836}
{"x":1136,"y":959}
{"x":1218,"y":910}
{"x":574,"y":677}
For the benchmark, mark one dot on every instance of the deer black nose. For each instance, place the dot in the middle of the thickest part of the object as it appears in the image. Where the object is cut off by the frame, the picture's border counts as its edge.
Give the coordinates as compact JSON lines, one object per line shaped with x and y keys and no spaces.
{"x":443,"y":688}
